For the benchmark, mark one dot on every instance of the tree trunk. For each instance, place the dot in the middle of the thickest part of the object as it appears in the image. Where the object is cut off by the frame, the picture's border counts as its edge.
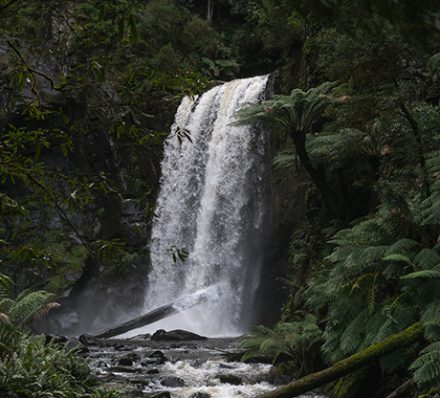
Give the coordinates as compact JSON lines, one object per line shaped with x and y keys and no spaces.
{"x":146,"y":319}
{"x":153,"y":316}
{"x":364,"y":357}
{"x":331,"y":200}
{"x":420,"y":152}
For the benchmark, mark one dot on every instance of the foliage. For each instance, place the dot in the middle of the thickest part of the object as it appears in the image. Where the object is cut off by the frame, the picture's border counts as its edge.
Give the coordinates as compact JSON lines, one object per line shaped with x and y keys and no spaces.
{"x":290,"y":114}
{"x":29,"y":365}
{"x":297,"y":342}
{"x":378,"y":150}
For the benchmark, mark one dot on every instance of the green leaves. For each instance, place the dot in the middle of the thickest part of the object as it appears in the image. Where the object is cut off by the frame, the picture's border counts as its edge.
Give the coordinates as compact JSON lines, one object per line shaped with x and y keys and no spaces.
{"x":31,"y":367}
{"x":424,"y":274}
{"x":426,"y":367}
{"x":298,"y":341}
{"x":26,"y":307}
{"x":292,"y":114}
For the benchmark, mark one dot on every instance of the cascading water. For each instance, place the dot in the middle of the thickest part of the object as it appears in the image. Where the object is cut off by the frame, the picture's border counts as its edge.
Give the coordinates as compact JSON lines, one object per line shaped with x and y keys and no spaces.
{"x":211,"y":204}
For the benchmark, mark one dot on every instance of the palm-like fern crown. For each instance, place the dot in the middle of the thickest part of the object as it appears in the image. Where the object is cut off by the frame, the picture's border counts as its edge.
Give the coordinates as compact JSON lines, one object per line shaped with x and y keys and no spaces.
{"x":292,"y":113}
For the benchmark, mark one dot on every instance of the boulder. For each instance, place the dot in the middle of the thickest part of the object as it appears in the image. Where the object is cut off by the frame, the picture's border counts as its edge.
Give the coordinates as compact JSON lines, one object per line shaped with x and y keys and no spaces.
{"x":229,"y":379}
{"x":128,"y":359}
{"x":145,"y":336}
{"x":176,"y":335}
{"x":122,"y":369}
{"x":200,"y":395}
{"x":156,"y":358}
{"x":172,"y":381}
{"x":162,"y":394}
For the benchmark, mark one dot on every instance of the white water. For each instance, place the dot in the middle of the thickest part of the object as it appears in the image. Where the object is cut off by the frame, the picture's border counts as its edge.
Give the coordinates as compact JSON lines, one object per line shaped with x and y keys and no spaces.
{"x":211,"y":203}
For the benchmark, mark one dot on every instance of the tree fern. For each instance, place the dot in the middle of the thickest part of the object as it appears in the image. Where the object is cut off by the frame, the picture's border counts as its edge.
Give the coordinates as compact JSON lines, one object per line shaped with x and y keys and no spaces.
{"x":291,"y":339}
{"x":294,"y":115}
{"x":426,"y":367}
{"x":334,"y":149}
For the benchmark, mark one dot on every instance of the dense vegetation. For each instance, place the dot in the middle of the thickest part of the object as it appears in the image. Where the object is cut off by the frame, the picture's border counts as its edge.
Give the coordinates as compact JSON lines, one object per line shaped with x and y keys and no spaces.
{"x":87,"y":92}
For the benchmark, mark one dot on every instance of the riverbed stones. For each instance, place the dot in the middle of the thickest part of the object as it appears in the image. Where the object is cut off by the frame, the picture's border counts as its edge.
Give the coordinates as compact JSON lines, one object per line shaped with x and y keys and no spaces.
{"x":172,"y":381}
{"x":128,"y":359}
{"x":162,"y":394}
{"x":155,"y":358}
{"x":176,"y":335}
{"x":230,"y":379}
{"x":122,"y":369}
{"x":200,"y":395}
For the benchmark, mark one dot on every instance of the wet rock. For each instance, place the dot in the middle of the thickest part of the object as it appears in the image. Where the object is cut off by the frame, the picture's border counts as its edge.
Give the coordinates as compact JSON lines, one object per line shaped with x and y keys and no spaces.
{"x":226,"y":366}
{"x":122,"y":369}
{"x":128,"y":359}
{"x":152,"y":371}
{"x":162,"y":394}
{"x":229,"y":379}
{"x":176,"y":335}
{"x":126,"y":390}
{"x":172,"y":381}
{"x":55,"y":339}
{"x":145,"y":336}
{"x":200,"y":395}
{"x":279,"y":376}
{"x":156,"y":358}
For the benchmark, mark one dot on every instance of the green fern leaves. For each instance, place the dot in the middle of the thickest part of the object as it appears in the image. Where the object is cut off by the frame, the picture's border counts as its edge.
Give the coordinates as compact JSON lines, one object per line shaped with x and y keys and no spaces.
{"x":297,"y":342}
{"x":26,"y":307}
{"x":426,"y":367}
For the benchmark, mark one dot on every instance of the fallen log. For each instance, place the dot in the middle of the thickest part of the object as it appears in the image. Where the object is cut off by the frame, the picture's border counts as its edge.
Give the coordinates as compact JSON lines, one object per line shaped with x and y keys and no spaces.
{"x":154,"y":315}
{"x":143,"y":320}
{"x":375,"y":351}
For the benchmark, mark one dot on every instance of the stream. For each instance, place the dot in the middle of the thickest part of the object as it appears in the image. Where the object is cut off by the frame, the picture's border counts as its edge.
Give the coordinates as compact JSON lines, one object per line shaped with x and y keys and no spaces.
{"x":176,"y":369}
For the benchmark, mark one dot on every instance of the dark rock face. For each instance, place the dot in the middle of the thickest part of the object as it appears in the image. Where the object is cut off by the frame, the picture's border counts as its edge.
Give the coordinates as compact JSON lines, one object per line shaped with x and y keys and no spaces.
{"x":176,"y":335}
{"x":172,"y":381}
{"x":230,"y":379}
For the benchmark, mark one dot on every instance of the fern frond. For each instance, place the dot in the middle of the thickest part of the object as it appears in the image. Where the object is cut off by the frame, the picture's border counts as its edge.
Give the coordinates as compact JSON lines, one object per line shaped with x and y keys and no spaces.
{"x":402,"y":246}
{"x":41,"y":313}
{"x":427,"y":259}
{"x":424,"y":274}
{"x":426,"y":367}
{"x":24,"y":310}
{"x":399,"y":258}
{"x":5,"y":286}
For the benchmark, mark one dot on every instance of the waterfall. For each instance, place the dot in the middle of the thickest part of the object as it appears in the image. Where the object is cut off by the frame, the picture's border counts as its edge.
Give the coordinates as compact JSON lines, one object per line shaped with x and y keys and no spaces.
{"x":211,"y":204}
